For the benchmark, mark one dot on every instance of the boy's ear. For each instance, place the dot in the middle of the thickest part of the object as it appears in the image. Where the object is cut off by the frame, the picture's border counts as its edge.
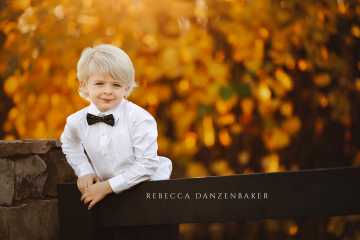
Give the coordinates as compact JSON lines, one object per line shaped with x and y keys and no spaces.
{"x":83,"y":87}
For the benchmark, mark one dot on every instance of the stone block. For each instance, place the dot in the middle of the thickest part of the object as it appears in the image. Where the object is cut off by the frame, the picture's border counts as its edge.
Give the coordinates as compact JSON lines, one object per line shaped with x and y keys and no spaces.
{"x":26,"y":147}
{"x":59,"y":171}
{"x":30,"y":177}
{"x":31,"y":220}
{"x":7,"y":181}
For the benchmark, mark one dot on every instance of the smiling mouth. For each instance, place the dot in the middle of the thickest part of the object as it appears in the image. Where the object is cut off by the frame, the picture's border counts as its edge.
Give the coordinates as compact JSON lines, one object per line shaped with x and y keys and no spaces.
{"x":107,"y":100}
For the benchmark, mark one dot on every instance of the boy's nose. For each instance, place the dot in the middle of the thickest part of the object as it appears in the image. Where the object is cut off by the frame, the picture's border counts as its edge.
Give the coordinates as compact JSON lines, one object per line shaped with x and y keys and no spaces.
{"x":108,"y":89}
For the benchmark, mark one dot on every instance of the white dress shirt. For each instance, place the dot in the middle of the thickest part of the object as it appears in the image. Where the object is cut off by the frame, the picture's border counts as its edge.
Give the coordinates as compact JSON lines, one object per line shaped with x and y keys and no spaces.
{"x":124,"y":154}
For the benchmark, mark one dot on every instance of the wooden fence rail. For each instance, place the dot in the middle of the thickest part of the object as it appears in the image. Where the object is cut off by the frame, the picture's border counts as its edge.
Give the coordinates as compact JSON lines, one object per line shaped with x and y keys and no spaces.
{"x":153,"y":210}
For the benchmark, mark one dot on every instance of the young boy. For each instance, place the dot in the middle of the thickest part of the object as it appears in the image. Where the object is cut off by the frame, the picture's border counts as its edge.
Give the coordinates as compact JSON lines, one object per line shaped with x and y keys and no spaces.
{"x":112,"y":143}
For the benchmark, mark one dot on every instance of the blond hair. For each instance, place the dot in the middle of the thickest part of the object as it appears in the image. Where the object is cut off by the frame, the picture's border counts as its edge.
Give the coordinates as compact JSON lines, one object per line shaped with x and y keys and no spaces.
{"x":105,"y":59}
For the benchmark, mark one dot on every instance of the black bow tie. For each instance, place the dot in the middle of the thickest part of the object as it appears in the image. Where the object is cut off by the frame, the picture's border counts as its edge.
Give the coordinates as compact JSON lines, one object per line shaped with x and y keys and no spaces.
{"x":108,"y":119}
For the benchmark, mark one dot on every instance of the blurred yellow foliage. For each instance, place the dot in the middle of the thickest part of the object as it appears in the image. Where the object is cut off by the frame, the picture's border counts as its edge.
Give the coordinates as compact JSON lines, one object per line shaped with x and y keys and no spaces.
{"x":208,"y":131}
{"x":224,"y":137}
{"x":243,"y":157}
{"x":271,"y":163}
{"x":287,"y":109}
{"x":221,"y":167}
{"x":196,"y":170}
{"x":210,"y":72}
{"x":276,"y":138}
{"x":291,"y":125}
{"x":322,"y":80}
{"x":293,"y":229}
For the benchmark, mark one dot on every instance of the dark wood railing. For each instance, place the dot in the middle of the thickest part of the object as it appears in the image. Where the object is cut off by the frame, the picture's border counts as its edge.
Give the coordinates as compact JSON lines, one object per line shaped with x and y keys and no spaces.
{"x":153,"y":210}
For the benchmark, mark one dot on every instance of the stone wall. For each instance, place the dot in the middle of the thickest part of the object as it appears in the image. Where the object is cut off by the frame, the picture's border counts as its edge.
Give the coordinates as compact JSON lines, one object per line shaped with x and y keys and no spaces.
{"x":29,"y":173}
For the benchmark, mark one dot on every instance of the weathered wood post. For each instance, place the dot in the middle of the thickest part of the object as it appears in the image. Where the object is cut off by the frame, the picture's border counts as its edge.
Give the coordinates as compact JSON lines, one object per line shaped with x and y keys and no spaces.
{"x":154,"y":209}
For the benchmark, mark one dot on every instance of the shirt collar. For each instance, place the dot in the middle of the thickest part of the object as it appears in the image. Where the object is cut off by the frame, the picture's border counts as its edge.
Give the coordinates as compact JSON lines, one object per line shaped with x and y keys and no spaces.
{"x":115,"y":111}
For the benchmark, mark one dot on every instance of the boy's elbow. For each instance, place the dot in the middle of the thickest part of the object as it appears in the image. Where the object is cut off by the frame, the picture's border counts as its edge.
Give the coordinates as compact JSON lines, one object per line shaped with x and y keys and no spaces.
{"x":150,"y":165}
{"x":164,"y":170}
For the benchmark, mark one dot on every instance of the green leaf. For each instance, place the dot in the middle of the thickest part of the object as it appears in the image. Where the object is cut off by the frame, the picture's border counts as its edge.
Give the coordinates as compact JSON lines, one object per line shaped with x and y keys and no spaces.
{"x":225,"y":92}
{"x":242,"y":89}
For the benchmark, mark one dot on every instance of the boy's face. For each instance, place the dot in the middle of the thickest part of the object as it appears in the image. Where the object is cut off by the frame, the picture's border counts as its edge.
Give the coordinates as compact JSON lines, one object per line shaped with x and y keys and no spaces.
{"x":104,"y":91}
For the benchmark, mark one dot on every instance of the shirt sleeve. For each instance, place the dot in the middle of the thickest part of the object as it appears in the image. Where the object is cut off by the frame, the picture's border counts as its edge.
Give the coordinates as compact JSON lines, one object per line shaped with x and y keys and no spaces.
{"x":144,"y":140}
{"x":74,"y":152}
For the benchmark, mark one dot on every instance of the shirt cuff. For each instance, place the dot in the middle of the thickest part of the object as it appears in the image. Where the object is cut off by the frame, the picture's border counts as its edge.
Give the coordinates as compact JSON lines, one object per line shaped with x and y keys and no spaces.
{"x":84,"y":169}
{"x":118,"y":184}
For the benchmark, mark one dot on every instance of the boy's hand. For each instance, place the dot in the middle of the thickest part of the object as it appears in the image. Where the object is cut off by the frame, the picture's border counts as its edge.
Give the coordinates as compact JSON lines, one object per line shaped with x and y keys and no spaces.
{"x":85,"y":181}
{"x":95,"y":193}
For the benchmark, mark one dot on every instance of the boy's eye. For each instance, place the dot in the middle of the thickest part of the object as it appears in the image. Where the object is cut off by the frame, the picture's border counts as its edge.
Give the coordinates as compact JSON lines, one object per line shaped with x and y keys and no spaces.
{"x":99,"y":83}
{"x":117,"y":85}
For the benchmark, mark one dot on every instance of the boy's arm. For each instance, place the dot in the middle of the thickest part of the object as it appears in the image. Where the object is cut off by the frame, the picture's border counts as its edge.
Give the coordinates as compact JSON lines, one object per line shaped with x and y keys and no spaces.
{"x":144,"y":140}
{"x":74,"y":152}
